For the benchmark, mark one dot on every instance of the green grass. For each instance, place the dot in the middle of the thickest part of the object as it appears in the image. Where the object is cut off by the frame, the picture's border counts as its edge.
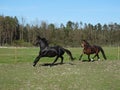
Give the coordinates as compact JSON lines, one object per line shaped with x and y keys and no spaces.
{"x":17,"y":73}
{"x":14,"y":55}
{"x":104,"y":75}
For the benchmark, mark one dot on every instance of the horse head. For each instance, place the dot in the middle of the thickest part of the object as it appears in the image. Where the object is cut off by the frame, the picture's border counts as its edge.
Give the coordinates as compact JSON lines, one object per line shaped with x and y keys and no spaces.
{"x":37,"y":41}
{"x":84,"y":43}
{"x":42,"y":42}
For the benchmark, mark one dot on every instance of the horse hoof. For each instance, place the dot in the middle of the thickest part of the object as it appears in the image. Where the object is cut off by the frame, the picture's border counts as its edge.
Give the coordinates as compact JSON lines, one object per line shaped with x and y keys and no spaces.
{"x":91,"y":60}
{"x":51,"y":65}
{"x":34,"y":65}
{"x":79,"y":59}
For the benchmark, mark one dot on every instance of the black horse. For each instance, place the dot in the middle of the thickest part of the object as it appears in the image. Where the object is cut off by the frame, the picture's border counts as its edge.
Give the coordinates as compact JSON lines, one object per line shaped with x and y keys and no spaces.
{"x":46,"y":51}
{"x":88,"y":49}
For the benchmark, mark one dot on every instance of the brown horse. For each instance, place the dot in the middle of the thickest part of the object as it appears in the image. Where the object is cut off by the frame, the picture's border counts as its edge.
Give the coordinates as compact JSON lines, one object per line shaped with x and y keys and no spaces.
{"x":88,"y":49}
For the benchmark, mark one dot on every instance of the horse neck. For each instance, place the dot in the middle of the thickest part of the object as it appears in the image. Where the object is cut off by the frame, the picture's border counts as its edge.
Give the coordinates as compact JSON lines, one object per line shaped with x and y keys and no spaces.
{"x":43,"y":46}
{"x":86,"y":46}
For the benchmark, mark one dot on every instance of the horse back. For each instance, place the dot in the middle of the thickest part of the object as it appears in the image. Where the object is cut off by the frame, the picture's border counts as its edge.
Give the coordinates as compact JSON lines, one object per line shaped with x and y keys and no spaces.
{"x":52,"y":51}
{"x":91,"y":49}
{"x":59,"y":49}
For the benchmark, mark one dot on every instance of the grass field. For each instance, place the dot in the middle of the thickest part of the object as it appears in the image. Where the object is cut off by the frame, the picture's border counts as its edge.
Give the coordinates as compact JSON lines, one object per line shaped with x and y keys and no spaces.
{"x":17,"y":73}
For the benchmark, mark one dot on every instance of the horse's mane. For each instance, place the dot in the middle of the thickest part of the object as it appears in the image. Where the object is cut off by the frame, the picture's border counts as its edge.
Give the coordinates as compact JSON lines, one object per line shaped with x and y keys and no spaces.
{"x":45,"y":41}
{"x":86,"y":42}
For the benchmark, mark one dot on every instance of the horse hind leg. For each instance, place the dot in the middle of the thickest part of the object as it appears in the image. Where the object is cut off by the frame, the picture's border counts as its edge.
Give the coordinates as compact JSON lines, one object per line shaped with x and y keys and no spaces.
{"x":61,"y":59}
{"x":55,"y":60}
{"x":95,"y":56}
{"x":98,"y":57}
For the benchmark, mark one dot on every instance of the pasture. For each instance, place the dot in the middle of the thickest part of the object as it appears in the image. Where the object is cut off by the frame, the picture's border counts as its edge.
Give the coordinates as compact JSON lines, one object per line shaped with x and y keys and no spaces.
{"x":17,"y":73}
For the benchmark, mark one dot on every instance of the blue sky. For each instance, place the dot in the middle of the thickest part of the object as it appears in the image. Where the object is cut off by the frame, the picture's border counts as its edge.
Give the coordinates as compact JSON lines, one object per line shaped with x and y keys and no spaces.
{"x":61,"y":11}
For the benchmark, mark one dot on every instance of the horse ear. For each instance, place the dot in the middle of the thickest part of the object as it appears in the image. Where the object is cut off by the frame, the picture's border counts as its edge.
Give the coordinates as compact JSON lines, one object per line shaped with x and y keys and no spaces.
{"x":38,"y":37}
{"x":83,"y":40}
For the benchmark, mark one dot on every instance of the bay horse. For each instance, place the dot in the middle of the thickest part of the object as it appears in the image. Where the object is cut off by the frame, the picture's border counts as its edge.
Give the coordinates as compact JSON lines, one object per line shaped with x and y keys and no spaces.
{"x":47,"y":51}
{"x":88,"y":49}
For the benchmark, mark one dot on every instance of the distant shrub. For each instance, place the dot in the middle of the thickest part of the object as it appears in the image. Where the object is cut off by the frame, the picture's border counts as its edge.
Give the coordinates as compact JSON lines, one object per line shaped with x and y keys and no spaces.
{"x":22,"y":43}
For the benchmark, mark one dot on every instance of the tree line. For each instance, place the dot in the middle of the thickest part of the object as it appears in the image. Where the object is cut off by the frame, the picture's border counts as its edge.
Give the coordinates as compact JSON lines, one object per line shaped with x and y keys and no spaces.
{"x":14,"y":33}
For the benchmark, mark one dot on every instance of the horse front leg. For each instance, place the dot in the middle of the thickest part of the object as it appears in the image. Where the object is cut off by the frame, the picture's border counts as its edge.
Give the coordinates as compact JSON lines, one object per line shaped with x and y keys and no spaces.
{"x":89,"y":58}
{"x":81,"y":56}
{"x":36,"y":60}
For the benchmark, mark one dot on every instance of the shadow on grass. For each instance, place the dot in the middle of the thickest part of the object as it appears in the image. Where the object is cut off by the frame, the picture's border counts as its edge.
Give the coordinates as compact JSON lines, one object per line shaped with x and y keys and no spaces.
{"x":88,"y":61}
{"x":56,"y":64}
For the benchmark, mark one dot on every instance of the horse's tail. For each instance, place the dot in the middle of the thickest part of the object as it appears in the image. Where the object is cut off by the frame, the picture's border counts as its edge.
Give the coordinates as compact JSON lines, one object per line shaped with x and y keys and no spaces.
{"x":69,"y":53}
{"x":103,"y":53}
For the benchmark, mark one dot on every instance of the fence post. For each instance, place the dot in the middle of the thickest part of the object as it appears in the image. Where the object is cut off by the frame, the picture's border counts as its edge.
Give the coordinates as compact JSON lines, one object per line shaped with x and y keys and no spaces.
{"x":15,"y":54}
{"x":118,"y":53}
